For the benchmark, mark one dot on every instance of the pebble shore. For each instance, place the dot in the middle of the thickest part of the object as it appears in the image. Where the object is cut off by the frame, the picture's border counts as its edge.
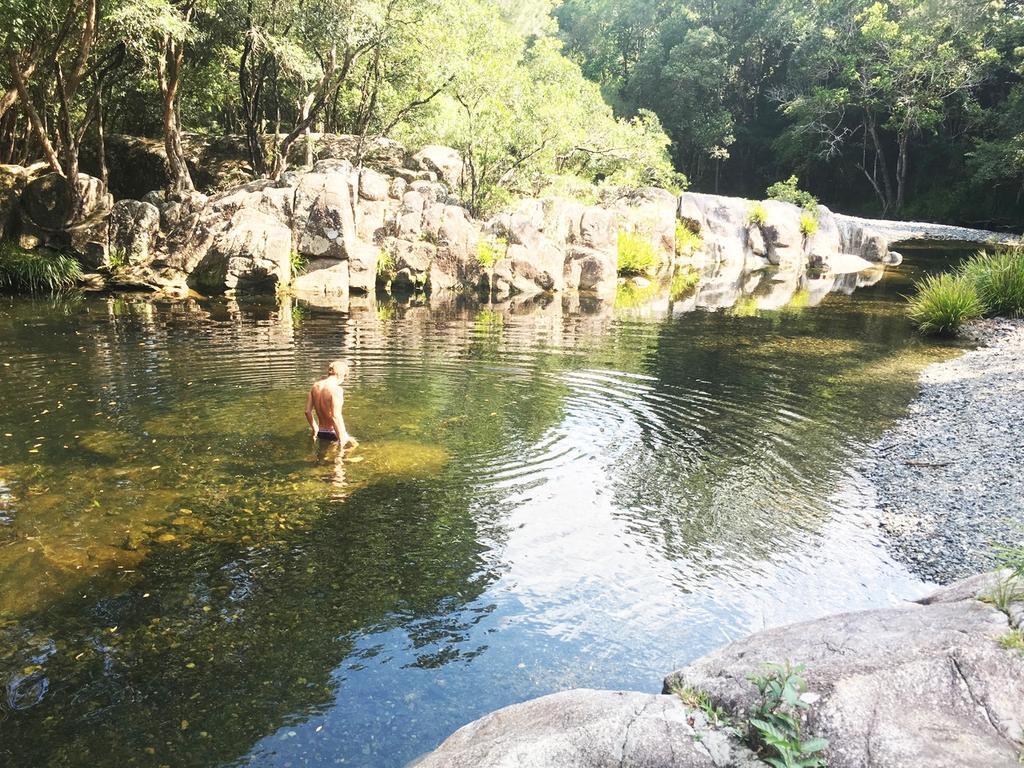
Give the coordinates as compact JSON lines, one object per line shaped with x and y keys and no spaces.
{"x":950,"y":475}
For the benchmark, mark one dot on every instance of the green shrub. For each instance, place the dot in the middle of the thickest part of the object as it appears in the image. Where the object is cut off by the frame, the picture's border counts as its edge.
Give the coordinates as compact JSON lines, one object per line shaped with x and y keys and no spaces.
{"x":787,"y":192}
{"x":298,"y":263}
{"x":758,"y":215}
{"x":38,"y":271}
{"x":943,"y":303}
{"x":636,"y":254}
{"x":488,"y":253}
{"x":998,"y":279}
{"x":808,"y":224}
{"x":683,"y":282}
{"x":775,"y":724}
{"x":688,"y":242}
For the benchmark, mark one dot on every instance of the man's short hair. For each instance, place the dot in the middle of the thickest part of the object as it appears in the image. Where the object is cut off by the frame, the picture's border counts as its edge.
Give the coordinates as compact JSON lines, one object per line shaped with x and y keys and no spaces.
{"x":338,"y":368}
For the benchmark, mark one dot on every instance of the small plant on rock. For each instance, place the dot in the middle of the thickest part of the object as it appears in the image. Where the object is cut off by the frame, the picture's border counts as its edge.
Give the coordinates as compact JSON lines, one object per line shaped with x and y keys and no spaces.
{"x":775,"y":729}
{"x":636,"y":254}
{"x":808,"y":224}
{"x":385,"y":263}
{"x":688,"y":242}
{"x":298,"y":263}
{"x":758,"y":215}
{"x":697,"y":699}
{"x":1013,"y":641}
{"x":488,"y":253}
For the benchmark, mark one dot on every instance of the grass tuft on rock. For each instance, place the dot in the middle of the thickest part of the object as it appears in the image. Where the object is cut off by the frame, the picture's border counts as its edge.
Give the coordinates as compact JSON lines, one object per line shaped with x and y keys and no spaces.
{"x":943,"y":303}
{"x":637,"y":255}
{"x":39,"y":271}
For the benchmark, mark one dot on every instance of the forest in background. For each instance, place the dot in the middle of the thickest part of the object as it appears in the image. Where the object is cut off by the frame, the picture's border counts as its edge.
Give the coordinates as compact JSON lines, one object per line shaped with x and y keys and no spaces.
{"x":907,"y":108}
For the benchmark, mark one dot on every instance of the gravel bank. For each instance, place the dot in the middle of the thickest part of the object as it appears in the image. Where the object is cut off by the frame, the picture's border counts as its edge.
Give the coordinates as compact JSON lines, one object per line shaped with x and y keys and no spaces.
{"x":950,"y":475}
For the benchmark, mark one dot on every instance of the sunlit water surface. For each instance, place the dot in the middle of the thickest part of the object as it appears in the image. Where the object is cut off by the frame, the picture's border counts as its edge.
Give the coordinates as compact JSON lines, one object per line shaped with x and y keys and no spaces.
{"x":543,"y":499}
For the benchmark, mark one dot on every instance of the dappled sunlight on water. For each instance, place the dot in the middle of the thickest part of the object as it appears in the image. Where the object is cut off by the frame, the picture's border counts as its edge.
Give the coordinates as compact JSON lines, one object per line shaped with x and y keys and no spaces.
{"x":542,"y":497}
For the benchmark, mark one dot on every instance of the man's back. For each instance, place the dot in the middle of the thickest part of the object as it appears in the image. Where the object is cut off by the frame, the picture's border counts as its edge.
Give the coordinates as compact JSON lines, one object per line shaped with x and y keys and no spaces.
{"x":323,"y":406}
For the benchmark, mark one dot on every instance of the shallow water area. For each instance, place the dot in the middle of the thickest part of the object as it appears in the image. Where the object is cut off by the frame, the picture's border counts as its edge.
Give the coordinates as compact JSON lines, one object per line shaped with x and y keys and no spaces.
{"x":545,"y":496}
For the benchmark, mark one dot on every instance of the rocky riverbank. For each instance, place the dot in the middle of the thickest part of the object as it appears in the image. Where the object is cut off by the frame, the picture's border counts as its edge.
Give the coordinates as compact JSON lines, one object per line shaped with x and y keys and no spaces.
{"x":950,"y":476}
{"x":926,"y":685}
{"x":384,"y":218}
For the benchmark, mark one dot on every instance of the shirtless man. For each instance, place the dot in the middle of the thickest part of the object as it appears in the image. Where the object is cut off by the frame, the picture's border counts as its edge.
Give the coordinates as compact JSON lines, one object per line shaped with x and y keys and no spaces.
{"x":323,"y":407}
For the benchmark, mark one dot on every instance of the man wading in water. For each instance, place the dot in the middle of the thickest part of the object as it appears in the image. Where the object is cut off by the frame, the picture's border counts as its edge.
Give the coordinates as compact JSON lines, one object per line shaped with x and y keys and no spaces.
{"x":323,"y":407}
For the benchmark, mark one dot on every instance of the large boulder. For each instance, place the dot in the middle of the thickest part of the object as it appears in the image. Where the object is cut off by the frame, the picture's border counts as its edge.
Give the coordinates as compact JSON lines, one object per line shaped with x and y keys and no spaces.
{"x":133,"y":227}
{"x":592,"y":729}
{"x":253,"y":253}
{"x":13,"y":179}
{"x":446,"y":162}
{"x":782,"y":236}
{"x":373,"y":185}
{"x":362,"y":267}
{"x":412,"y":263}
{"x":323,"y":277}
{"x":324,"y":220}
{"x":651,"y":213}
{"x":597,"y":228}
{"x":921,"y":686}
{"x":591,"y":271}
{"x":721,"y":223}
{"x":53,"y":203}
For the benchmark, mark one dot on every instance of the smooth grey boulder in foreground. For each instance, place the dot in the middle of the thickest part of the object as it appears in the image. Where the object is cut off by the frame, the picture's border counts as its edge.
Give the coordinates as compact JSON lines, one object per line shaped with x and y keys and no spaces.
{"x":922,"y":686}
{"x":926,"y":685}
{"x":591,"y":729}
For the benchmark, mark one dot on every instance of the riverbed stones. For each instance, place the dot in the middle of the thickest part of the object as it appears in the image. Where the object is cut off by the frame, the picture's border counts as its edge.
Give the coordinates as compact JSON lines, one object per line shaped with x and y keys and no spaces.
{"x":949,"y":477}
{"x":591,"y":729}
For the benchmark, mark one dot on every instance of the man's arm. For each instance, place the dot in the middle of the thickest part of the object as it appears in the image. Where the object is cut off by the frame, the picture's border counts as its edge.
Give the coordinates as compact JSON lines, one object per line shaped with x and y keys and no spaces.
{"x":344,"y":438}
{"x":310,"y":414}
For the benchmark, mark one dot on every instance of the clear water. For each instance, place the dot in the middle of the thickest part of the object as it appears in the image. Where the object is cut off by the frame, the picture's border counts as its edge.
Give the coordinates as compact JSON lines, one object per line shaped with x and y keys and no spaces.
{"x":543,"y":499}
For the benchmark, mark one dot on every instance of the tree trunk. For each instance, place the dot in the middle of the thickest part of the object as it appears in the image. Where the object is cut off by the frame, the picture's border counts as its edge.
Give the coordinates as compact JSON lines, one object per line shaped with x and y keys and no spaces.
{"x":901,"y":171}
{"x":169,"y":78}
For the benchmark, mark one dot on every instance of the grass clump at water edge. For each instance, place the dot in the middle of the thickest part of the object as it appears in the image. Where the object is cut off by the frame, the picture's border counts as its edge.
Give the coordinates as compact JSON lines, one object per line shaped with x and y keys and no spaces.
{"x":637,"y":255}
{"x":998,"y":279}
{"x":943,"y":303}
{"x":39,"y":271}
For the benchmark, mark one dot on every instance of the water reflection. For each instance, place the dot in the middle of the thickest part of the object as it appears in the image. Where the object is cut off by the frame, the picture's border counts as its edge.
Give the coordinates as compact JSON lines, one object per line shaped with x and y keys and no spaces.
{"x":550,"y":493}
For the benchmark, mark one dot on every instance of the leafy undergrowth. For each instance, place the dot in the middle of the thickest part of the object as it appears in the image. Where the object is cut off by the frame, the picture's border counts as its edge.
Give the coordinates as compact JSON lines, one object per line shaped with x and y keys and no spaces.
{"x":773,"y":729}
{"x":38,"y":271}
